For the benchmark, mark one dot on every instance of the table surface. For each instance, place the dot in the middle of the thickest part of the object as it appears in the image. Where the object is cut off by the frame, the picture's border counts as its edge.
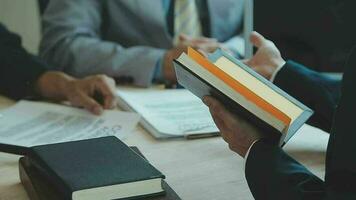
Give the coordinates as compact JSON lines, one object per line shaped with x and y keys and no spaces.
{"x":195,"y":169}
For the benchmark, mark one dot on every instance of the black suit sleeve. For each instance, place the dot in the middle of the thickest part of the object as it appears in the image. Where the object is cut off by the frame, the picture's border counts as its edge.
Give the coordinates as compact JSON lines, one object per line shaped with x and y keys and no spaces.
{"x":272,"y":174}
{"x":18,"y":69}
{"x":319,"y":92}
{"x":341,"y":161}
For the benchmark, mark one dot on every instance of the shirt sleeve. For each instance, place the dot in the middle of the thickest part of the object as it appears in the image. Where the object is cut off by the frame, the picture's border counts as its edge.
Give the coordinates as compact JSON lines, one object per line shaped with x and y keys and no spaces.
{"x":276,"y":72}
{"x":19,"y":70}
{"x":158,"y":73}
{"x":248,"y":152}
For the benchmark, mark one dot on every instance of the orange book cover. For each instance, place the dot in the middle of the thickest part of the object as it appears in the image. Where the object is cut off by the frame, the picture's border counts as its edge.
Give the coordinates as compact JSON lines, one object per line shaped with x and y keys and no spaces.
{"x":238,"y":87}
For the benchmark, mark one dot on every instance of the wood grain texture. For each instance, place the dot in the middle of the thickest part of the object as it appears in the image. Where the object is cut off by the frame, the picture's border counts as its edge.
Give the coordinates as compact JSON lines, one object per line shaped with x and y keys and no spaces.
{"x":196,"y":169}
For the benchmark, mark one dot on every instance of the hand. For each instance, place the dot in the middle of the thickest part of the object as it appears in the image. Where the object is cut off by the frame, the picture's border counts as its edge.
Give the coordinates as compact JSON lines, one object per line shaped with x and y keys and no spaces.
{"x":203,"y":44}
{"x":238,"y":133}
{"x":207,"y":45}
{"x":168,"y":68}
{"x":80,"y":92}
{"x":267,"y":58}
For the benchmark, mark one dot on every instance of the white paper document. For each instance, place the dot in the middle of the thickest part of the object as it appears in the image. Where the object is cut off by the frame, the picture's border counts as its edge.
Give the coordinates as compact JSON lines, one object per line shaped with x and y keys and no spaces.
{"x":30,"y":123}
{"x":168,"y":113}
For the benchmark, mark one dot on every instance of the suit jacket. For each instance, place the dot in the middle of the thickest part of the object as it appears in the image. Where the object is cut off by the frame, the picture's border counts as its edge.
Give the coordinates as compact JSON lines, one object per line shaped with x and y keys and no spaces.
{"x":123,"y":37}
{"x":281,"y":177}
{"x":18,"y":69}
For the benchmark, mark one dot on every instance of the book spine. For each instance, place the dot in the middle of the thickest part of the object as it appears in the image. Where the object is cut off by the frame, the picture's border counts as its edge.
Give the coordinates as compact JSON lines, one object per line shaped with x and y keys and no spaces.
{"x":13,"y":149}
{"x":53,"y":177}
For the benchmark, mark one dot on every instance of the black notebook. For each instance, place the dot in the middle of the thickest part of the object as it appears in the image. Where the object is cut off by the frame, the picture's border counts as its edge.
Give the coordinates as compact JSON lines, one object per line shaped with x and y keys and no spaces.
{"x":243,"y":92}
{"x":39,"y":187}
{"x":101,"y":168}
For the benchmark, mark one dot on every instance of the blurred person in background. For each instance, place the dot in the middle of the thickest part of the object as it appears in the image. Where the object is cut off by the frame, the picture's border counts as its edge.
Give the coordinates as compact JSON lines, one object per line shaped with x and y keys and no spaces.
{"x":136,"y":40}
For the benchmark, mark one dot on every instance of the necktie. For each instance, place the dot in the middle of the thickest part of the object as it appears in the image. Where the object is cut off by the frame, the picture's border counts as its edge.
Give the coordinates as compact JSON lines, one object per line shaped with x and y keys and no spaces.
{"x":186,"y":19}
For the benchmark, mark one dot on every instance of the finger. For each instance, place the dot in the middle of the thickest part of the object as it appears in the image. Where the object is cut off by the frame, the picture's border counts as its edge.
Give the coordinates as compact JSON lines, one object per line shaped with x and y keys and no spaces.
{"x":257,"y":39}
{"x":184,"y":37}
{"x":217,"y":117}
{"x":204,"y":40}
{"x":220,"y":111}
{"x":213,"y":104}
{"x":188,"y":40}
{"x":106,"y":87}
{"x":83,"y":100}
{"x":203,"y":47}
{"x":211,"y":47}
{"x":219,"y":122}
{"x":248,"y":62}
{"x":227,"y":129}
{"x":202,"y":52}
{"x":245,"y":60}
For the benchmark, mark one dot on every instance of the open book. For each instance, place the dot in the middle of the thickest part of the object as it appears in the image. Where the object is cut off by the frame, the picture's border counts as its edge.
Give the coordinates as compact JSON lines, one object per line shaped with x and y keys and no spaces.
{"x":242,"y":91}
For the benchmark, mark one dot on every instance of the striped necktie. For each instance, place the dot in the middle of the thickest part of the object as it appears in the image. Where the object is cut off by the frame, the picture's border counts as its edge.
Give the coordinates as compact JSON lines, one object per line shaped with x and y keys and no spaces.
{"x":186,"y":19}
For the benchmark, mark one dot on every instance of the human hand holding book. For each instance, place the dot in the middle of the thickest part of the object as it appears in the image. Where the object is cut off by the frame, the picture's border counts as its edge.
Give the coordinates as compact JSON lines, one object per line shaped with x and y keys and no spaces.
{"x":267,"y":60}
{"x":243,"y":92}
{"x":236,"y":131}
{"x":203,"y":44}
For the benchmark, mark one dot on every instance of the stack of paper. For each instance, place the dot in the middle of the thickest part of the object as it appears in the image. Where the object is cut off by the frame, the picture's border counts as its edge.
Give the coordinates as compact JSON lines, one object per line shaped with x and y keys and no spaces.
{"x":169,"y":113}
{"x":29,"y":124}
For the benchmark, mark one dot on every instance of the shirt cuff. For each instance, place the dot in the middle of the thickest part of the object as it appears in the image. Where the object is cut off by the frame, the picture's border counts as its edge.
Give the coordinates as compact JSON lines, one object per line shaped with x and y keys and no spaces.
{"x":158,"y":75}
{"x":276,"y":72}
{"x":248,"y":152}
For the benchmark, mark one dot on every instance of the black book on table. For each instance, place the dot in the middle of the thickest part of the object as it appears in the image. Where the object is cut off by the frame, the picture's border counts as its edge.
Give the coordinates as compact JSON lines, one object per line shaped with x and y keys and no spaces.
{"x":38,"y":187}
{"x":101,"y":168}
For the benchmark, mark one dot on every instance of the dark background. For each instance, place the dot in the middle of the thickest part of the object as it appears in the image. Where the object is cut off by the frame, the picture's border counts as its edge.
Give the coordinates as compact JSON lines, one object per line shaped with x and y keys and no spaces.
{"x":316,"y":33}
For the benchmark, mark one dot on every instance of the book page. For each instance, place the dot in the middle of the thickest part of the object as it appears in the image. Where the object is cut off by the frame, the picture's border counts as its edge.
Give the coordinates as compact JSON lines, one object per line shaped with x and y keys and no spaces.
{"x":264,"y":91}
{"x":173,"y":112}
{"x":230,"y":92}
{"x":30,"y":123}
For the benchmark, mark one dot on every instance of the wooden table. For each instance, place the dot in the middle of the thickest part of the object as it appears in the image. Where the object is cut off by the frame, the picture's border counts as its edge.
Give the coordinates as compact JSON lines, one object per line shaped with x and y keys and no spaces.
{"x":195,"y":169}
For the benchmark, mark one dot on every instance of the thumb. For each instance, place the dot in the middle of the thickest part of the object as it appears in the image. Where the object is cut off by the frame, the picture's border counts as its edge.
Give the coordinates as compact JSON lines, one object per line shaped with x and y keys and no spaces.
{"x":244,"y":61}
{"x":257,"y":39}
{"x":183,"y":37}
{"x":203,"y":53}
{"x":247,"y":62}
{"x":83,"y":100}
